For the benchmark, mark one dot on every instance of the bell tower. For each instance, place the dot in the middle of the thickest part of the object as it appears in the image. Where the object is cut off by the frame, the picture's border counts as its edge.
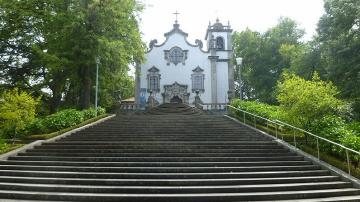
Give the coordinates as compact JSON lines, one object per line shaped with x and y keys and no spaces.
{"x":218,"y":38}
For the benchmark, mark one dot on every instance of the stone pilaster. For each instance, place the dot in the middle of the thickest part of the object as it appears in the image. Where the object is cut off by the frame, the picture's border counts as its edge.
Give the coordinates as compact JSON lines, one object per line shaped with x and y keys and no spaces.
{"x":213,"y":59}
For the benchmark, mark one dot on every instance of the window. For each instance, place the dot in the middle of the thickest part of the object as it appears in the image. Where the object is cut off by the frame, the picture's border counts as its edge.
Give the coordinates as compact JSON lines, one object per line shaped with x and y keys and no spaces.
{"x":153,"y":78}
{"x":175,"y":55}
{"x":220,"y":43}
{"x":198,"y":80}
{"x":154,"y":83}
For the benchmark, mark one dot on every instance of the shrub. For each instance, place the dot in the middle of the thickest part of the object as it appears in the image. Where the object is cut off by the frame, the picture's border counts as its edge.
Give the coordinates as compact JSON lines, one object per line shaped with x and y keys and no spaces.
{"x":89,"y":113}
{"x":63,"y":119}
{"x":304,"y":101}
{"x":101,"y":111}
{"x":258,"y":108}
{"x":37,"y":126}
{"x":17,"y":109}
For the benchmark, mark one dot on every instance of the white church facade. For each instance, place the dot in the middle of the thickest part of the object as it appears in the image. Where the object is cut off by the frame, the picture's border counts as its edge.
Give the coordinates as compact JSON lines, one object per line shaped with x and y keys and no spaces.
{"x":178,"y":71}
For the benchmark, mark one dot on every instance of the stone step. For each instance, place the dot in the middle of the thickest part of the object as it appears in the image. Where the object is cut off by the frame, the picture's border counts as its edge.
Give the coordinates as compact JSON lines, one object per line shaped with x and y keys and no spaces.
{"x":148,"y":154}
{"x":160,"y":169}
{"x":170,"y":150}
{"x":167,"y":182}
{"x":206,"y":197}
{"x":178,"y":175}
{"x":172,"y":143}
{"x":168,"y":157}
{"x":160,"y":159}
{"x":173,"y":189}
{"x":153,"y":163}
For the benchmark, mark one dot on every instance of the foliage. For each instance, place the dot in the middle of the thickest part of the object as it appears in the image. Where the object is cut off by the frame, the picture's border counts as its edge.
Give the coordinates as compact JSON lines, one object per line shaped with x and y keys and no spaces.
{"x":262,"y":61}
{"x":339,"y":41}
{"x":53,"y":45}
{"x":91,"y":113}
{"x":43,"y":135}
{"x":60,"y":120}
{"x":258,"y":108}
{"x":63,"y":119}
{"x":16,"y":110}
{"x":305,"y":101}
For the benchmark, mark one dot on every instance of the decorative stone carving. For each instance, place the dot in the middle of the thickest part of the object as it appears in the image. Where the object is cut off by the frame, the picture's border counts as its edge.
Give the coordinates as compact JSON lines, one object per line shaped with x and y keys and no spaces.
{"x":198,"y":102}
{"x":199,"y":43}
{"x":152,"y":102}
{"x":152,"y":43}
{"x":171,"y":91}
{"x":175,"y":55}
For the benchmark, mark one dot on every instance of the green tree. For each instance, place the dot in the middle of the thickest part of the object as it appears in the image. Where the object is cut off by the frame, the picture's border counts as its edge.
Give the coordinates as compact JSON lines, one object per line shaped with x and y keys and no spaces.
{"x":339,"y":39}
{"x":53,"y":44}
{"x":262,"y":61}
{"x":16,"y":110}
{"x":304,"y":101}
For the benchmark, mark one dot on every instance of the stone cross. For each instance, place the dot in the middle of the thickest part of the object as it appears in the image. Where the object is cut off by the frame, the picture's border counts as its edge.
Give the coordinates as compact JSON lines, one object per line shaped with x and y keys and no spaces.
{"x":176,"y":16}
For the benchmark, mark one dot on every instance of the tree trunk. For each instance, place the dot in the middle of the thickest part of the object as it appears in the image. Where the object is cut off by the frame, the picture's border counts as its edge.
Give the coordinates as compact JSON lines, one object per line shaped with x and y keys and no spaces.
{"x":85,"y":87}
{"x":56,"y":86}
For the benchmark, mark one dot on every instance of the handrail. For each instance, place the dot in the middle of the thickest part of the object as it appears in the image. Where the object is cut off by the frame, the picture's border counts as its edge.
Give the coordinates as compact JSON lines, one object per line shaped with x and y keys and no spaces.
{"x":322,"y":138}
{"x":280,"y":123}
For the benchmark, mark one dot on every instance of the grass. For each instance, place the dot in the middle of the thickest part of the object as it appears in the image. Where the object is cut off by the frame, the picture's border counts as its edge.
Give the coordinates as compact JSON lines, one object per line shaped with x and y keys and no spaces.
{"x":5,"y":147}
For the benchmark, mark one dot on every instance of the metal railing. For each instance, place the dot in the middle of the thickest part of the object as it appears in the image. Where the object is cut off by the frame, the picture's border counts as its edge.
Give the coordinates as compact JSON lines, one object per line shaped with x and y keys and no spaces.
{"x":278,"y":124}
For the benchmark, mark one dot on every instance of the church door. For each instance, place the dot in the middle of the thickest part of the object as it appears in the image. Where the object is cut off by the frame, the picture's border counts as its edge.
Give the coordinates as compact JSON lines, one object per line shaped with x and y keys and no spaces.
{"x":176,"y":93}
{"x":176,"y":99}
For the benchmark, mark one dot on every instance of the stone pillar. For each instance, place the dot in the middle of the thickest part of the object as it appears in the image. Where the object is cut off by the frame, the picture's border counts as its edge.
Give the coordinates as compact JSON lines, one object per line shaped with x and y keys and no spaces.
{"x":213,"y":60}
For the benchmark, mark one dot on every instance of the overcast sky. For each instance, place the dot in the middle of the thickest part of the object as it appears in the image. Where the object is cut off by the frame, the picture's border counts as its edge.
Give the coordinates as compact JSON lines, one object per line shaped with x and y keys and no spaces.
{"x":194,"y":17}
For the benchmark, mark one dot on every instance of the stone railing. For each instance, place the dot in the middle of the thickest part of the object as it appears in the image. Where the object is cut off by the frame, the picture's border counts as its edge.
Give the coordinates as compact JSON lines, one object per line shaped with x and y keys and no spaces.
{"x":213,"y":106}
{"x":130,"y":107}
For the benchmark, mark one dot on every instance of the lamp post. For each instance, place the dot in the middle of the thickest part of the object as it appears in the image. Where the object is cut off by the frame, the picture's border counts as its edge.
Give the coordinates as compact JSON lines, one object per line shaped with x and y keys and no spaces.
{"x":239,"y":62}
{"x":97,"y":60}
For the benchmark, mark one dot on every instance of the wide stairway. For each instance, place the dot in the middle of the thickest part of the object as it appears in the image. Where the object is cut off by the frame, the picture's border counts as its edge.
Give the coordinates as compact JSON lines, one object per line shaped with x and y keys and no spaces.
{"x":170,"y":157}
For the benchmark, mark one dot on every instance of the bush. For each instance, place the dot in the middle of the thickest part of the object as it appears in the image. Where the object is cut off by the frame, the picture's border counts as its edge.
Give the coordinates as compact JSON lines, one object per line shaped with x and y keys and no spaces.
{"x":258,"y":108}
{"x":304,"y":101}
{"x":90,"y":113}
{"x":17,"y":109}
{"x":101,"y":111}
{"x":63,"y":119}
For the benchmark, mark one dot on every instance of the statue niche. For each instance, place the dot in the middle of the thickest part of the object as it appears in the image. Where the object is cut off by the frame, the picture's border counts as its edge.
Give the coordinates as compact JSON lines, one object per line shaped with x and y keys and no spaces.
{"x":176,"y":93}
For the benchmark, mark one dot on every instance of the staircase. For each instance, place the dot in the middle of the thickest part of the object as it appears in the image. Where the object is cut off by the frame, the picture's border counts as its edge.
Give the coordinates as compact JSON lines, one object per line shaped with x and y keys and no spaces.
{"x":182,"y":156}
{"x":169,"y":108}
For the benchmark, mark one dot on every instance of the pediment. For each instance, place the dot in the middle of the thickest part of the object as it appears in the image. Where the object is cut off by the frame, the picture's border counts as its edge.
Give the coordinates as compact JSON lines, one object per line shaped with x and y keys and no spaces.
{"x":198,"y":69}
{"x":153,"y":69}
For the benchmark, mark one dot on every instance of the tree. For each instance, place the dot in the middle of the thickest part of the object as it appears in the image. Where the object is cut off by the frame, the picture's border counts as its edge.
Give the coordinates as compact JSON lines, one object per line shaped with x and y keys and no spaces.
{"x":304,"y":101}
{"x":262,"y":61}
{"x":339,"y":39}
{"x":16,"y":110}
{"x":53,"y":44}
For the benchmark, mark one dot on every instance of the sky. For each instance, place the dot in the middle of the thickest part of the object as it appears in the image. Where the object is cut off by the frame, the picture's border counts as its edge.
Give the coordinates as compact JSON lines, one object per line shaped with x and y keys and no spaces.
{"x":194,"y":17}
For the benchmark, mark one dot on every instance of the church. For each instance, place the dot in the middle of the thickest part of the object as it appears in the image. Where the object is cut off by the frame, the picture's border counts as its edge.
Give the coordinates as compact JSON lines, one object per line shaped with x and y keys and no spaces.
{"x":177,"y":70}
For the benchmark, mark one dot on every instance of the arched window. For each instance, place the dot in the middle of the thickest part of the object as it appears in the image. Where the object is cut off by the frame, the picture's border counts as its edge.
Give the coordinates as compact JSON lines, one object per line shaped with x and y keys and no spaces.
{"x":220,"y":43}
{"x":198,"y":80}
{"x":153,"y":78}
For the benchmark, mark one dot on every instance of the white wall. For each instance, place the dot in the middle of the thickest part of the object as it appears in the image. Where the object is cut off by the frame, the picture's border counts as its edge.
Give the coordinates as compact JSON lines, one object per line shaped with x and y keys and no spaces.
{"x":178,"y":73}
{"x":182,"y":73}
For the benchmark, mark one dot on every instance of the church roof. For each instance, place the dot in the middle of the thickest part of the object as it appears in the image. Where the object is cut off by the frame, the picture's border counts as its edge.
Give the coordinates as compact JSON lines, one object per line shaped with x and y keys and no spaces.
{"x":176,"y":29}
